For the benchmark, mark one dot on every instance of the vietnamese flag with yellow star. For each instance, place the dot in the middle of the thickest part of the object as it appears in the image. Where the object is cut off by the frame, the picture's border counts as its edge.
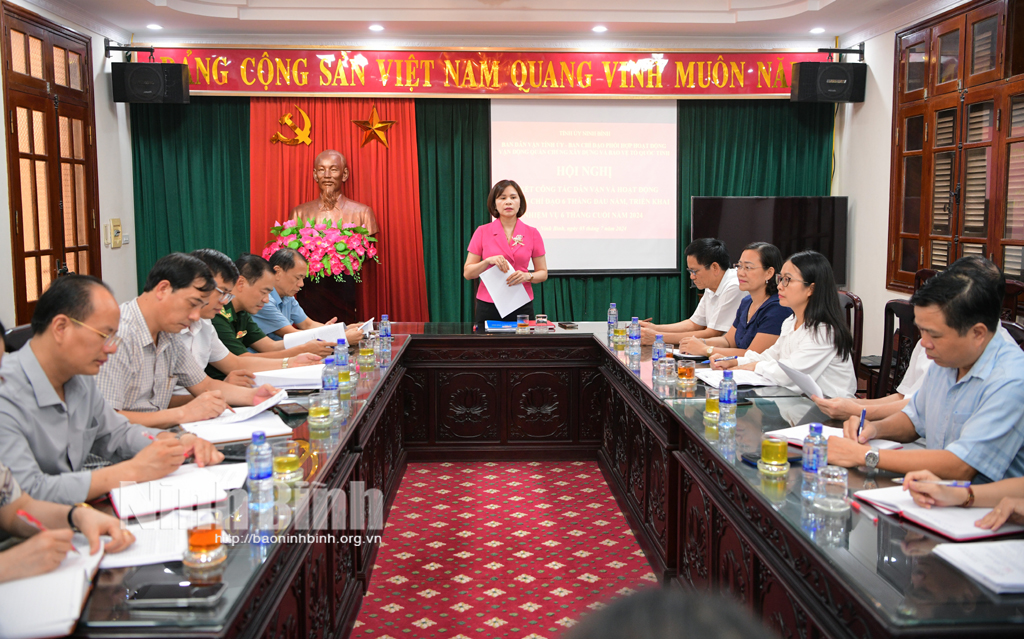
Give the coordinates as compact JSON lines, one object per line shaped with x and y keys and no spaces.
{"x":383,"y":176}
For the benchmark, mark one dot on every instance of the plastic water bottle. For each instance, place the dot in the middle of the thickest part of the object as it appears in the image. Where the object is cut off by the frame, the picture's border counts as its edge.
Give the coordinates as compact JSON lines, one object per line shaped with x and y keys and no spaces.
{"x":385,"y":327}
{"x":815,"y":458}
{"x":633,"y":332}
{"x":329,"y":377}
{"x":613,"y":320}
{"x":727,"y":402}
{"x":385,"y":351}
{"x":657,"y":353}
{"x":341,"y":362}
{"x":260,"y":460}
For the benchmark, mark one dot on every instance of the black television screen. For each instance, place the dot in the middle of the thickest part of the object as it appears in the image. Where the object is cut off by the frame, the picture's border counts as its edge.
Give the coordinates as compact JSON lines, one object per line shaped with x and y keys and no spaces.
{"x":791,"y":223}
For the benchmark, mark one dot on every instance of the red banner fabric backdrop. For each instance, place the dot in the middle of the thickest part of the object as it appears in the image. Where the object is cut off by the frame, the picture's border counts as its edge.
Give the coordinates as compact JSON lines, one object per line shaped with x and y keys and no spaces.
{"x":387,"y":179}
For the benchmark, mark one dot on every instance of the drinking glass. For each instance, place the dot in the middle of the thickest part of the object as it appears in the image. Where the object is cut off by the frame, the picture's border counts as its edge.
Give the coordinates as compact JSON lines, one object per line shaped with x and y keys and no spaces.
{"x":288,"y":459}
{"x":320,"y":417}
{"x":619,"y":339}
{"x":542,"y":319}
{"x":686,"y":368}
{"x":668,"y":370}
{"x":205,"y":554}
{"x":774,"y":453}
{"x":366,"y":358}
{"x":832,"y":497}
{"x":711,"y":404}
{"x":522,"y":324}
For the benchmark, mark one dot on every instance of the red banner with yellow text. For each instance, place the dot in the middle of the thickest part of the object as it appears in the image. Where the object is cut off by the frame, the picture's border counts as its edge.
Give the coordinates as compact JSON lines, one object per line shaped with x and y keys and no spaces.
{"x":237,"y":71}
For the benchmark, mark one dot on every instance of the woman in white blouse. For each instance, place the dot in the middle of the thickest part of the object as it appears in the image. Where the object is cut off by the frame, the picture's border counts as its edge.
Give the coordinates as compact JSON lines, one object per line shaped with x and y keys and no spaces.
{"x":815,"y":339}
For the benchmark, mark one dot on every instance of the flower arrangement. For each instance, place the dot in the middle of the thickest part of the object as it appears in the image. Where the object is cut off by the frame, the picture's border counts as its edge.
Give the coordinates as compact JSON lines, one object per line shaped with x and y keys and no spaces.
{"x":331,"y":251}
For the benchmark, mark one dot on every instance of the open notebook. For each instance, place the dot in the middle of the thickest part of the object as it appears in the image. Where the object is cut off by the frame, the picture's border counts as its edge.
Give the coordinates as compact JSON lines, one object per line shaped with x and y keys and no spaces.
{"x":304,"y":377}
{"x":188,"y":486}
{"x":997,"y":565}
{"x":269,"y":423}
{"x":49,"y":605}
{"x":955,"y":523}
{"x":797,"y":434}
{"x":742,"y":377}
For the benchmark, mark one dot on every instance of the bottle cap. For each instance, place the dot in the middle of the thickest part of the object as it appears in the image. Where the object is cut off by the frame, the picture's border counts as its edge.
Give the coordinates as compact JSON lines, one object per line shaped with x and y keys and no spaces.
{"x":341,"y":341}
{"x":727,"y":374}
{"x":259,"y":437}
{"x":659,"y":336}
{"x":636,"y":319}
{"x":329,"y":361}
{"x":816,"y":428}
{"x":612,"y":305}
{"x":383,"y":318}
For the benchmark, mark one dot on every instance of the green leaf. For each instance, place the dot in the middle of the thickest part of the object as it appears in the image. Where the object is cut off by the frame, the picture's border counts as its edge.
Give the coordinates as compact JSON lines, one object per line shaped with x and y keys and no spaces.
{"x":294,"y":244}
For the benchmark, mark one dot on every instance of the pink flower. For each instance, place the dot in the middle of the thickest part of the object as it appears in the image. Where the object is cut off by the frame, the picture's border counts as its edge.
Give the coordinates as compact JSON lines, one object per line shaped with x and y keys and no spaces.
{"x":356,"y":265}
{"x":320,"y":227}
{"x":315,"y":266}
{"x":372,"y":251}
{"x":360,"y":251}
{"x":290,"y":223}
{"x":349,"y":225}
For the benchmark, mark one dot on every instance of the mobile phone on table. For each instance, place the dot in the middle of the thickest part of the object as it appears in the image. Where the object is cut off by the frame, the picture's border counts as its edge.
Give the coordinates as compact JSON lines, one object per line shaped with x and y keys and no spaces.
{"x":568,"y":325}
{"x":175,"y":596}
{"x":291,"y":409}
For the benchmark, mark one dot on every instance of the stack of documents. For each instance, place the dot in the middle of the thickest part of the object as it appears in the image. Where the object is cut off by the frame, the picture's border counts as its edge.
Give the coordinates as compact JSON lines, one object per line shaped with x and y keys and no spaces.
{"x":188,"y":486}
{"x":742,"y":378}
{"x":495,"y":326}
{"x":997,"y":565}
{"x":797,"y":434}
{"x":49,"y":605}
{"x":241,"y":423}
{"x":156,"y":541}
{"x":955,"y":523}
{"x":301,"y":378}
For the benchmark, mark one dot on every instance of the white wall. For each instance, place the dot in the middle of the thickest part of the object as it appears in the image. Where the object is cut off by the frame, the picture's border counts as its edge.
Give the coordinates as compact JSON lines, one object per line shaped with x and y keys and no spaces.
{"x":113,"y":150}
{"x":862,"y":147}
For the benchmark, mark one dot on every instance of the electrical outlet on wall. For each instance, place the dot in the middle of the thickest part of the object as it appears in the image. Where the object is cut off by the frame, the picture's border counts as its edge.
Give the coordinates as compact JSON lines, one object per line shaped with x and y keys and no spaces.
{"x":126,"y":239}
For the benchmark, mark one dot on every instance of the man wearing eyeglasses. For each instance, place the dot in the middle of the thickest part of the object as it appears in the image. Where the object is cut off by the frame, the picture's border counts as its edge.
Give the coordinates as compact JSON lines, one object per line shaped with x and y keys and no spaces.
{"x":202,"y":341}
{"x":52,"y":415}
{"x":707,"y":262}
{"x":282,"y":314}
{"x":140,"y":377}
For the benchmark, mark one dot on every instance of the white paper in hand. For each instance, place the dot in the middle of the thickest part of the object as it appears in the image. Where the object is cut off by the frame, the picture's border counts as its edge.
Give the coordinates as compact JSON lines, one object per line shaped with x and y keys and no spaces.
{"x":239,"y":414}
{"x":506,"y":298}
{"x":807,"y":385}
{"x":367,"y":326}
{"x":330,"y":333}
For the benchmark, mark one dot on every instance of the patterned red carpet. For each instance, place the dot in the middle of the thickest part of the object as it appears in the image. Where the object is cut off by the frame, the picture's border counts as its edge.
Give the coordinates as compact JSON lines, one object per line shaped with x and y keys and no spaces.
{"x":475,"y":550}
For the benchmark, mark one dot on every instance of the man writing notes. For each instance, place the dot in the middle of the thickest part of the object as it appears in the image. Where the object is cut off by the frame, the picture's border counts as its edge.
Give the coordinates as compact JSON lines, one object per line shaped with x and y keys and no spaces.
{"x":707,"y":262}
{"x":201,"y":339}
{"x":139,"y":379}
{"x":237,"y":329}
{"x":52,"y":415}
{"x":282,"y":314}
{"x":970,"y":407}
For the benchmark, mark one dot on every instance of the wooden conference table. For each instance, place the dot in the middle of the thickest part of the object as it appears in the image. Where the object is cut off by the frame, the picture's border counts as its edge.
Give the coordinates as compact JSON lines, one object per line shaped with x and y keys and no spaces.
{"x":705,"y":521}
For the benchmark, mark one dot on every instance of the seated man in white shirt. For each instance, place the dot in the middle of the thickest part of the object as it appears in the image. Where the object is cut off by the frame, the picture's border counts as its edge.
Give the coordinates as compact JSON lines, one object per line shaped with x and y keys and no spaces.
{"x":282,"y":314}
{"x":207,"y":349}
{"x":707,"y":261}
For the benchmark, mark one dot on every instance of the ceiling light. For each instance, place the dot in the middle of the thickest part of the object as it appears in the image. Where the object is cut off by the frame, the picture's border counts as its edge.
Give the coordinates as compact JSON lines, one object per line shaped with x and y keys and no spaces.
{"x":817,"y":30}
{"x":376,"y":27}
{"x":599,"y":29}
{"x":154,"y":27}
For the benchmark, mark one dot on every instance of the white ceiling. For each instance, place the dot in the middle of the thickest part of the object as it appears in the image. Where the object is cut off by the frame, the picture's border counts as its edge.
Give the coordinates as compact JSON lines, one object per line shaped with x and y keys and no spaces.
{"x":499,"y":23}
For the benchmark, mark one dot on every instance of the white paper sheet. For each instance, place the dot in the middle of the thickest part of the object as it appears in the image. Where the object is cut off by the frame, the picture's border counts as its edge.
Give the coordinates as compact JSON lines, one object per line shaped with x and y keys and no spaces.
{"x":186,"y":487}
{"x":803,"y":380}
{"x":238,"y":414}
{"x":157,"y":541}
{"x":330,"y":333}
{"x":998,"y":565}
{"x":743,"y":378}
{"x":797,"y":434}
{"x":367,"y":326}
{"x":506,"y":298}
{"x":300,"y":377}
{"x":270,"y":423}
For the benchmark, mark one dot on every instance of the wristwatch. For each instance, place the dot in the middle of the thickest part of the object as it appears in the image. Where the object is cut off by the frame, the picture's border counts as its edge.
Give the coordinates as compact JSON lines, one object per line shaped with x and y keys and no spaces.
{"x":71,"y":523}
{"x":711,"y":349}
{"x":871,"y":458}
{"x":284,"y":362}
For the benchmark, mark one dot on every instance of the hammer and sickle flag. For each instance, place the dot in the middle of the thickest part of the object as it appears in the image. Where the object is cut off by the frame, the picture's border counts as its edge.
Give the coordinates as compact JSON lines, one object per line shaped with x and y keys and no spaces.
{"x":301,"y":135}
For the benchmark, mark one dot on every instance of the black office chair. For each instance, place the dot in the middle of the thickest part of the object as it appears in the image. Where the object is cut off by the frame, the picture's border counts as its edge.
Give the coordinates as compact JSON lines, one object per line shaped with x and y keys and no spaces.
{"x":854,"y":310}
{"x":1011,"y":298}
{"x":16,"y":337}
{"x":897,"y":346}
{"x":923,"y":276}
{"x":1016,"y":331}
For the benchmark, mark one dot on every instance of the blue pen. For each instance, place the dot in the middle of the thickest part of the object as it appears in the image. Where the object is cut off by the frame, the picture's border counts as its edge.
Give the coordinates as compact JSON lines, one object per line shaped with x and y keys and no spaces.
{"x":721,"y":359}
{"x":942,"y":482}
{"x":863,"y":414}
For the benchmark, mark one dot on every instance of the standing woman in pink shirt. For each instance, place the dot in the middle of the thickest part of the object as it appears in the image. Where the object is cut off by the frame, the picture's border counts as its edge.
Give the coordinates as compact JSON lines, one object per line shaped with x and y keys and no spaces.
{"x":509,"y":245}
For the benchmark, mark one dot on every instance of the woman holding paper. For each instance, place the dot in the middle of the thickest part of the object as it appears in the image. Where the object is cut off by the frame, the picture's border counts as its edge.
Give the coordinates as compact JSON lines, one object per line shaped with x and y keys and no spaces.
{"x":508,"y":245}
{"x":1005,"y":497}
{"x":815,"y":340}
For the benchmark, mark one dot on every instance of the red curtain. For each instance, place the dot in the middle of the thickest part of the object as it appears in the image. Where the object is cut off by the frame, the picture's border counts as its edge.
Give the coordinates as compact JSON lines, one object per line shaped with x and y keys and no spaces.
{"x":387,"y":179}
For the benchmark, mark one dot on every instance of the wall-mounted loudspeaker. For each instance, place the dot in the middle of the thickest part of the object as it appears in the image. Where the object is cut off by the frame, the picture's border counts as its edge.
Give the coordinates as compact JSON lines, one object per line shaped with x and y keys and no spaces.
{"x":150,"y":82}
{"x":829,"y":82}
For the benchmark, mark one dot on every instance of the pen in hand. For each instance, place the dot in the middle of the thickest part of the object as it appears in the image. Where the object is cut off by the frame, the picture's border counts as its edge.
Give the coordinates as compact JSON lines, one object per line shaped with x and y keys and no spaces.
{"x":863,"y":414}
{"x":38,"y":525}
{"x":721,"y":359}
{"x":953,"y":483}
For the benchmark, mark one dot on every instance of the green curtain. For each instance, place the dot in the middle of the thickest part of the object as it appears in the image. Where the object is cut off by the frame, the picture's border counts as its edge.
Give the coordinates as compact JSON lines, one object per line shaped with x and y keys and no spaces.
{"x":453,"y":137}
{"x":726,"y":147}
{"x":191,"y":172}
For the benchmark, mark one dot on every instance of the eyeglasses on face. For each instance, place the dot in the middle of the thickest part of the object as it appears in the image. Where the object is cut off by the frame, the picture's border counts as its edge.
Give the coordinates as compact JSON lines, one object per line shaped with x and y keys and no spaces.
{"x":694,"y":271}
{"x":784,"y":281}
{"x":225,"y":297}
{"x":109,"y":339}
{"x":746,"y":266}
